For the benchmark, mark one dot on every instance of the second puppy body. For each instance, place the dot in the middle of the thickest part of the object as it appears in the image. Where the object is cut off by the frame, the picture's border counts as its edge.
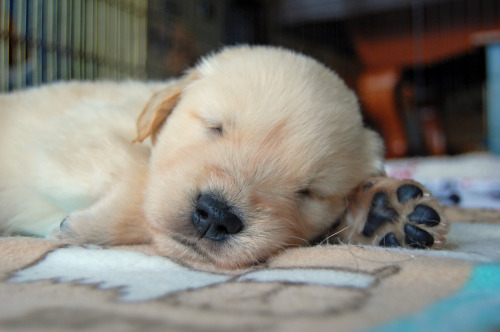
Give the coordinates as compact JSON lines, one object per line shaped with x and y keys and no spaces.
{"x":254,"y":150}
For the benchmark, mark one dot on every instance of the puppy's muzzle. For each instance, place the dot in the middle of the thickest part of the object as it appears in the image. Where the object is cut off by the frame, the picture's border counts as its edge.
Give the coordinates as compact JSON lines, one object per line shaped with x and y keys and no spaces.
{"x":213,"y":218}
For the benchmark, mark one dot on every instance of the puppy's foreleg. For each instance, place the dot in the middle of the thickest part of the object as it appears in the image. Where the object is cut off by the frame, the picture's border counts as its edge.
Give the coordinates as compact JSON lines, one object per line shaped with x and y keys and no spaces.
{"x":116,"y":218}
{"x":38,"y":219}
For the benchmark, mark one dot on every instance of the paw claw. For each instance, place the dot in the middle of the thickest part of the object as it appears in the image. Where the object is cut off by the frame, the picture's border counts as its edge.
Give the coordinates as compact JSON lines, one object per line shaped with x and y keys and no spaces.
{"x":64,"y":224}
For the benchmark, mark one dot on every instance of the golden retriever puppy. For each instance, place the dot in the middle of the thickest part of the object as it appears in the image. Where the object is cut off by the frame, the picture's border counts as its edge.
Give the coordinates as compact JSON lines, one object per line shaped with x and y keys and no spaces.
{"x":254,"y":150}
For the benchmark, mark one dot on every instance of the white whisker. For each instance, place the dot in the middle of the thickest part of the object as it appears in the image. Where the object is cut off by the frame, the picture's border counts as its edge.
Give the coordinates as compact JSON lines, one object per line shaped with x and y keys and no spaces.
{"x":336,"y":233}
{"x":294,"y":225}
{"x":301,"y":239}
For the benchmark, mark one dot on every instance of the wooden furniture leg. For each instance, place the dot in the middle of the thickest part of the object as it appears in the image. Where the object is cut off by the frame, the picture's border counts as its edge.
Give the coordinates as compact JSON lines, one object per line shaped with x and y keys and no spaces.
{"x":377,"y":91}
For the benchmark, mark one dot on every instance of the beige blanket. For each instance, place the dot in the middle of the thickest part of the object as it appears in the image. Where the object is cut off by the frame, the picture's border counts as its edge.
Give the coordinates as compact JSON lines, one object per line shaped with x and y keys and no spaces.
{"x":46,"y":286}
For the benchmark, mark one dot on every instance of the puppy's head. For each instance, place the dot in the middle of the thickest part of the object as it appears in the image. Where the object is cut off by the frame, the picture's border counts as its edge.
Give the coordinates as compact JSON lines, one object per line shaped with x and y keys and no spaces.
{"x":255,"y":150}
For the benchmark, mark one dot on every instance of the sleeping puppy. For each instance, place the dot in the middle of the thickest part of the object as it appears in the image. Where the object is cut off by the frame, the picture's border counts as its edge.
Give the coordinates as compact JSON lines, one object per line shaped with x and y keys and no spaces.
{"x":254,"y":150}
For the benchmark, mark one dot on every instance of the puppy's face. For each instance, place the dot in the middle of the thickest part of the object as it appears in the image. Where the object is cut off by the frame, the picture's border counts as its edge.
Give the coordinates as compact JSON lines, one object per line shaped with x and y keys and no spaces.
{"x":255,"y":151}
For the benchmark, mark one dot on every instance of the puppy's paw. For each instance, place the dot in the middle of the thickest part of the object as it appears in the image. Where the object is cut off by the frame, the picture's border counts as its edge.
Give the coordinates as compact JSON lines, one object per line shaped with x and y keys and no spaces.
{"x":103,"y":227}
{"x":394,"y":213}
{"x":64,"y":232}
{"x":79,"y":228}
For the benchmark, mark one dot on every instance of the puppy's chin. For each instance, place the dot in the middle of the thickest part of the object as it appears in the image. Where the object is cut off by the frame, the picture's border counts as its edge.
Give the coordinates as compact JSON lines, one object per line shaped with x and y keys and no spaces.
{"x":237,"y":252}
{"x":203,"y":253}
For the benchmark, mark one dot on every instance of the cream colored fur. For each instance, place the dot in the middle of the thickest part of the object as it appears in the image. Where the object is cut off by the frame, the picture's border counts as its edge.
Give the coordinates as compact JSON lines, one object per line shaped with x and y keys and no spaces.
{"x":279,"y":135}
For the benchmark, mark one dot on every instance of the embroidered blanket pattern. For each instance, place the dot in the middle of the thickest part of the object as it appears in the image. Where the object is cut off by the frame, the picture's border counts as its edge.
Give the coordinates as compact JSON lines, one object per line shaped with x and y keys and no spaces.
{"x":48,"y":287}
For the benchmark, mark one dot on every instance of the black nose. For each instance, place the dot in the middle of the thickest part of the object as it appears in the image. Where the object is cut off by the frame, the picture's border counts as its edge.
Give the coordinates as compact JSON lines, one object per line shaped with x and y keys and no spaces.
{"x":213,"y":218}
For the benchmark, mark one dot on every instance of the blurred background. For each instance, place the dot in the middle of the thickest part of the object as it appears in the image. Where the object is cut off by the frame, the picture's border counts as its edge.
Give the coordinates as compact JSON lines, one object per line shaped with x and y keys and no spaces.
{"x":427,"y":71}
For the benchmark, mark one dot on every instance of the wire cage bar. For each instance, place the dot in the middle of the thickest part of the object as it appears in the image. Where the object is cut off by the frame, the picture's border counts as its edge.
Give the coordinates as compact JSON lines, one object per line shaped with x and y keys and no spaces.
{"x":43,"y":41}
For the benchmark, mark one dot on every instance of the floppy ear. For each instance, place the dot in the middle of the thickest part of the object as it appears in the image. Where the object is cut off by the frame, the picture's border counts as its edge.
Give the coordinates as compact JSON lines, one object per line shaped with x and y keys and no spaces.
{"x":159,"y":108}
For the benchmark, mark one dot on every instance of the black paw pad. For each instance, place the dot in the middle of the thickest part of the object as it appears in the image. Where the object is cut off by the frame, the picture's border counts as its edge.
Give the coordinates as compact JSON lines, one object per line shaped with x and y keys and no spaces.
{"x":380,"y":199}
{"x":417,"y":238}
{"x":407,"y":192}
{"x":389,"y":240}
{"x":380,"y":213}
{"x":425,"y":215}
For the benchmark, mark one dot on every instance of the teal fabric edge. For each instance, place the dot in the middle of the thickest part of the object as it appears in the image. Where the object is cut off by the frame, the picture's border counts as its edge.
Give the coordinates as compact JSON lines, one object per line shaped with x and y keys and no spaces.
{"x":475,"y":307}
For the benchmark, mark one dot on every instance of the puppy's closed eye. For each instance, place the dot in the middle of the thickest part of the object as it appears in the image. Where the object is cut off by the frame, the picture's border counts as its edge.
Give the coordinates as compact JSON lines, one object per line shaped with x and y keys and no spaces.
{"x":216,"y":129}
{"x":304,"y":193}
